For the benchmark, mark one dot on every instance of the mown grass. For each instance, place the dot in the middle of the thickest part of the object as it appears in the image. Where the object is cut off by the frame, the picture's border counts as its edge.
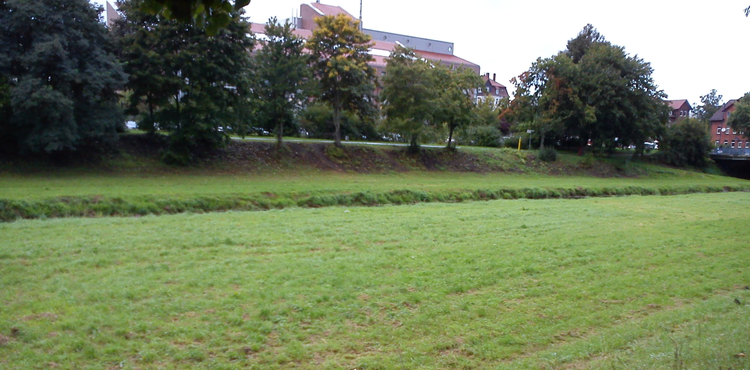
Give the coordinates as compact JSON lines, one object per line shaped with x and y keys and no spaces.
{"x":525,"y":284}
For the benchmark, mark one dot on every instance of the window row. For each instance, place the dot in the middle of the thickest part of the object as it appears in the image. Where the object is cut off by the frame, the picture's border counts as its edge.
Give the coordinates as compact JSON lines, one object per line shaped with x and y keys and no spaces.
{"x":733,"y":144}
{"x":725,"y":130}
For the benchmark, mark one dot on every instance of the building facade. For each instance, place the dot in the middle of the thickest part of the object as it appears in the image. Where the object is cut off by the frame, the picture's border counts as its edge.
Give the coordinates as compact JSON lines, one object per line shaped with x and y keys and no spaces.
{"x":724,"y":136}
{"x":491,"y":90}
{"x":680,"y":110}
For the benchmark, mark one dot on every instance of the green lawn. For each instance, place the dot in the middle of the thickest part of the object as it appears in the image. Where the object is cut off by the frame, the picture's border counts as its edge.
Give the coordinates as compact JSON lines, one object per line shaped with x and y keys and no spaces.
{"x":621,"y":282}
{"x":40,"y":186}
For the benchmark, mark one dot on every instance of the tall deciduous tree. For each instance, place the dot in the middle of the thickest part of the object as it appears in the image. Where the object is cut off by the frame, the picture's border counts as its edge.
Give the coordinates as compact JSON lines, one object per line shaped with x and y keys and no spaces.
{"x":61,"y":76}
{"x":687,"y":142}
{"x":201,"y":82}
{"x":455,"y":106}
{"x":711,"y":104}
{"x":740,"y":118}
{"x":282,"y":76}
{"x":596,"y":92}
{"x":340,"y":62}
{"x":410,"y":94}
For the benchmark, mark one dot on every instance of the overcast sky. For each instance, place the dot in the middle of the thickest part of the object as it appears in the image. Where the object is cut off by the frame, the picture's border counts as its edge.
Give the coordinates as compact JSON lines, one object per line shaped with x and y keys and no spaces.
{"x":693,"y":46}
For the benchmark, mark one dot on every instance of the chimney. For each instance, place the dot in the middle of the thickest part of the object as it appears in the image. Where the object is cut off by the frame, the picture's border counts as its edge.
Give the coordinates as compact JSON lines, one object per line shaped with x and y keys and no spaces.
{"x":488,"y":75}
{"x":493,"y":77}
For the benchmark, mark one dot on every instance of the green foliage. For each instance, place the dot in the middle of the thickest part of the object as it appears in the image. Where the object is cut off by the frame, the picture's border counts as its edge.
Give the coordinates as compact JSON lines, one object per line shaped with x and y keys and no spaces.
{"x":281,"y":77}
{"x":740,"y":118}
{"x":686,"y":143}
{"x":548,"y":154}
{"x":317,"y":121}
{"x":212,"y":15}
{"x":455,"y":105}
{"x":59,"y":76}
{"x":486,"y":135}
{"x":595,"y":91}
{"x":711,"y":104}
{"x":340,"y":57}
{"x":199,"y":83}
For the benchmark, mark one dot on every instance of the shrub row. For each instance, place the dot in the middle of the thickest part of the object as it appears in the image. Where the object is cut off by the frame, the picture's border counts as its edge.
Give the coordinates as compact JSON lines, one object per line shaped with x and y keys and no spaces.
{"x":98,"y":206}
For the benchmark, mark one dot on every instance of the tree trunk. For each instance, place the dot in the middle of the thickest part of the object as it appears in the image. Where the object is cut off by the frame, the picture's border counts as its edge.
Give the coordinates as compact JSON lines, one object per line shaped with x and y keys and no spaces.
{"x":541,"y":144}
{"x":450,"y":137}
{"x":279,"y":134}
{"x":337,"y":122}
{"x":413,"y":145}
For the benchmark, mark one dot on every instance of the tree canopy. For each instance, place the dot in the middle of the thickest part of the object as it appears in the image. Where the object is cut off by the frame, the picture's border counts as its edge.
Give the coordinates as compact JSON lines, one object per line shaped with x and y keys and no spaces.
{"x":591,"y":91}
{"x":340,"y":57}
{"x":58,"y":75}
{"x":282,"y":77}
{"x":711,"y":103}
{"x":211,"y":15}
{"x":199,"y":84}
{"x":740,"y":118}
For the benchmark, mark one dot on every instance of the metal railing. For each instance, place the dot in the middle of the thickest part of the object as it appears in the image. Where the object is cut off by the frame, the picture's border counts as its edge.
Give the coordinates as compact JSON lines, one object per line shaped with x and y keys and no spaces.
{"x":733,"y":152}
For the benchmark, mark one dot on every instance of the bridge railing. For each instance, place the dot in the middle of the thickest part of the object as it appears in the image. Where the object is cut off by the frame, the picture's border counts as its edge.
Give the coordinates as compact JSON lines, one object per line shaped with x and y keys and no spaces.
{"x":734,"y":152}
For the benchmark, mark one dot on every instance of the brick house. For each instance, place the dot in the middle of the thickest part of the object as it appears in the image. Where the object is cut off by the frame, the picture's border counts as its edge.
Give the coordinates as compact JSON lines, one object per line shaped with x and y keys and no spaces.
{"x":492,"y":89}
{"x":724,"y":136}
{"x":680,"y":110}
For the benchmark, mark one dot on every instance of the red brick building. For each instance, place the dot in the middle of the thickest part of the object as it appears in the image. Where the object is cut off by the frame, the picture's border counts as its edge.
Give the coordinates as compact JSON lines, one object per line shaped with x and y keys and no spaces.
{"x":724,"y":136}
{"x":680,"y":110}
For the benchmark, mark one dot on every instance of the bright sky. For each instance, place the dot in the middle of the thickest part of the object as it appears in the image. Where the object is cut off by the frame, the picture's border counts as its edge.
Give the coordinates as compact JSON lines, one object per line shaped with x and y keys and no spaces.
{"x":694,"y":46}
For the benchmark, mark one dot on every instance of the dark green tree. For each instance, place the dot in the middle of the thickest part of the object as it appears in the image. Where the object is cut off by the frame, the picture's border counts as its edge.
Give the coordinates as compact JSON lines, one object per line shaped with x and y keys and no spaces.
{"x":594,"y":91}
{"x":150,"y":64}
{"x":686,"y":143}
{"x":211,"y":15}
{"x":740,"y":118}
{"x":200,"y":82}
{"x":282,"y":77}
{"x":340,"y":57}
{"x":711,"y":103}
{"x":410,"y":95}
{"x":455,"y":107}
{"x":60,"y":75}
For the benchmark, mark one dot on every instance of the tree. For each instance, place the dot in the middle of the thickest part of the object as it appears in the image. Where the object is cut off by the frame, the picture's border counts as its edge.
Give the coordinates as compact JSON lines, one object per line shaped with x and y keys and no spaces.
{"x":711,"y":104}
{"x":687,"y":142}
{"x":455,"y":105}
{"x":410,"y":94}
{"x":211,"y":15}
{"x":148,"y":60}
{"x":60,"y":74}
{"x":740,"y":118}
{"x":592,"y":91}
{"x":201,"y":82}
{"x":339,"y":50}
{"x":281,"y":76}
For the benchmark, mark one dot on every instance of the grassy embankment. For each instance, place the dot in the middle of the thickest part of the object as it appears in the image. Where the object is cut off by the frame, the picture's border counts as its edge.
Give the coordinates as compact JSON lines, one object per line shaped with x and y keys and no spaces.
{"x":610,"y":283}
{"x":136,"y":185}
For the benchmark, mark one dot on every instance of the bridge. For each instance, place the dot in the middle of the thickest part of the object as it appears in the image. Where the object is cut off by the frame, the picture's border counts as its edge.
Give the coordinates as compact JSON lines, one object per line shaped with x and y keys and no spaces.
{"x":734,"y":162}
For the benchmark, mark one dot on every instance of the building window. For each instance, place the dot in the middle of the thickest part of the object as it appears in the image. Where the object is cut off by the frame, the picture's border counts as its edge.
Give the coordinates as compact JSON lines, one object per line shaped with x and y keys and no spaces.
{"x":734,"y":132}
{"x":716,"y":144}
{"x":732,"y":144}
{"x":747,"y":144}
{"x":718,"y":130}
{"x":725,"y":142}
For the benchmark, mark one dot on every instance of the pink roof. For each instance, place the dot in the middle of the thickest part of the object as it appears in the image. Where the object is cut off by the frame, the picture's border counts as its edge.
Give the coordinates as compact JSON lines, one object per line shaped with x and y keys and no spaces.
{"x":492,"y":82}
{"x":331,"y":10}
{"x":261,"y":28}
{"x":677,"y":104}
{"x":444,"y":57}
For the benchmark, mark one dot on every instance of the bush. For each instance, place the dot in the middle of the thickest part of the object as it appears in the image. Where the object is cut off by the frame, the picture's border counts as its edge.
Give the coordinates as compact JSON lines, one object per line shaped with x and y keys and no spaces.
{"x":548,"y":154}
{"x":489,"y":136}
{"x":686,"y":143}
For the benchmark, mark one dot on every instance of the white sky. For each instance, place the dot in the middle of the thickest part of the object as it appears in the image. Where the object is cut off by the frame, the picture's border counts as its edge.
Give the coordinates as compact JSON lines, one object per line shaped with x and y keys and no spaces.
{"x":693,"y":46}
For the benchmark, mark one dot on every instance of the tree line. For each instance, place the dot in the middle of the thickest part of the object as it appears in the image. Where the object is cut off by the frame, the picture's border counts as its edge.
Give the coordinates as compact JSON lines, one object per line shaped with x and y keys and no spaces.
{"x":67,"y":82}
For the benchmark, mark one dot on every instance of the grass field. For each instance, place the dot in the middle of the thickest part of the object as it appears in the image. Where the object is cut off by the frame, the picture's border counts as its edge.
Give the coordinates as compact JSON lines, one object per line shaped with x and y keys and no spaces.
{"x":620,"y":282}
